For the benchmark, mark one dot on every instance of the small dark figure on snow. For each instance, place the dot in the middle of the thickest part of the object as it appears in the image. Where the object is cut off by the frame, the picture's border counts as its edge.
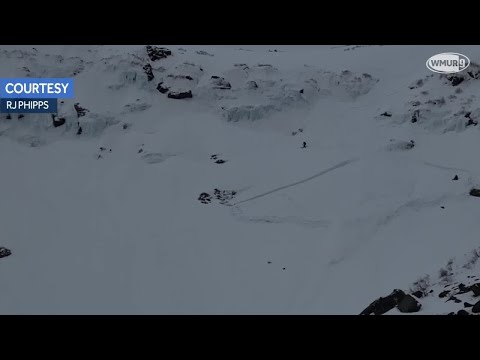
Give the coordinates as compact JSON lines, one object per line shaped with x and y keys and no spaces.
{"x":304,"y":146}
{"x":79,"y":132}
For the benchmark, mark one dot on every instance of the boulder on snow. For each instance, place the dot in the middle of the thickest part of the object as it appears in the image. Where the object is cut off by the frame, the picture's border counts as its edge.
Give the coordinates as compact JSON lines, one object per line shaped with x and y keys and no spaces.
{"x":220,"y":83}
{"x":157,"y":53}
{"x":205,"y":198}
{"x":162,"y":88}
{"x":455,"y":178}
{"x":251,"y":85}
{"x":408,"y":305}
{"x":418,"y":294}
{"x":462,"y":312}
{"x":57,"y":121}
{"x":415,"y":116}
{"x":80,"y":110}
{"x":443,"y":294}
{"x":455,"y":80}
{"x":4,"y":252}
{"x":475,"y":288}
{"x":476,"y":308}
{"x":475,"y":192}
{"x":149,"y":71}
{"x":180,"y":94}
{"x":384,"y":304}
{"x":386,"y":113}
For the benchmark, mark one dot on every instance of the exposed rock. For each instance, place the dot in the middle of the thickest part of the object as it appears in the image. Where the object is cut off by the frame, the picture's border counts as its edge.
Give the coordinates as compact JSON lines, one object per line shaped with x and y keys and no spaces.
{"x":418,"y":294}
{"x":252,"y":85}
{"x":157,"y":53}
{"x":220,"y":162}
{"x":455,"y":299}
{"x":57,"y":121}
{"x":224,"y":196}
{"x":462,"y":289}
{"x":443,"y":294}
{"x":384,"y":304}
{"x":475,"y":192}
{"x":467,"y":305}
{"x":162,"y":88}
{"x":220,"y":83}
{"x":475,"y":288}
{"x":149,"y":71}
{"x":462,"y":312}
{"x":455,"y":80}
{"x":455,"y":178}
{"x":79,"y":131}
{"x":180,"y":95}
{"x":386,"y":113}
{"x":4,"y":252}
{"x":409,"y":305}
{"x":80,"y":110}
{"x":476,"y":308}
{"x":205,"y":198}
{"x":415,"y":116}
{"x":472,"y":122}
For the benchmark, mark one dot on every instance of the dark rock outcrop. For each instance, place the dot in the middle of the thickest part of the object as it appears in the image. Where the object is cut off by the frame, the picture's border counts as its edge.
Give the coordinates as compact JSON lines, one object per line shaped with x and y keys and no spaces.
{"x":162,"y":88}
{"x":80,"y":110}
{"x":476,"y":308}
{"x":462,"y":312}
{"x":384,"y":304}
{"x":455,"y":80}
{"x":157,"y":53}
{"x":409,"y":305}
{"x":180,"y":95}
{"x":443,"y":294}
{"x":455,"y":178}
{"x":149,"y":71}
{"x":415,"y":116}
{"x":475,"y":192}
{"x":224,"y":196}
{"x":475,"y":288}
{"x":57,"y":121}
{"x":205,"y":198}
{"x":418,"y":294}
{"x":220,"y":83}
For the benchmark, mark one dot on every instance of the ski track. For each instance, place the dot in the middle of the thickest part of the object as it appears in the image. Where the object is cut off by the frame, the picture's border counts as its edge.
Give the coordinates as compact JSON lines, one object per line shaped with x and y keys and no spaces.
{"x":295,"y":220}
{"x":337,"y":166}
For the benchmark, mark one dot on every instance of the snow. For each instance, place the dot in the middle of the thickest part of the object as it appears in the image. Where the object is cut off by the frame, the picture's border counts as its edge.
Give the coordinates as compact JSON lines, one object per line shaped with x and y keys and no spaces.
{"x":351,"y":217}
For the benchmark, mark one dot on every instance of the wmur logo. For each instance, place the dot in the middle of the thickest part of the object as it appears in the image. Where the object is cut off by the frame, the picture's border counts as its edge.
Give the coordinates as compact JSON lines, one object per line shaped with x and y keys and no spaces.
{"x":448,"y":63}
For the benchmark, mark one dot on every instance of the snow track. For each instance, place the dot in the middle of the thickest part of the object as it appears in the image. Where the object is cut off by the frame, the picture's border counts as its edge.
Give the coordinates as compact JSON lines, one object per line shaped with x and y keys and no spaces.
{"x":303,"y":181}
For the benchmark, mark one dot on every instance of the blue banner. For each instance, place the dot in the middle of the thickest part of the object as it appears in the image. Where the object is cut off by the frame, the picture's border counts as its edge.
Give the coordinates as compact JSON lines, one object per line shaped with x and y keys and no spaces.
{"x":36,"y":88}
{"x":26,"y":106}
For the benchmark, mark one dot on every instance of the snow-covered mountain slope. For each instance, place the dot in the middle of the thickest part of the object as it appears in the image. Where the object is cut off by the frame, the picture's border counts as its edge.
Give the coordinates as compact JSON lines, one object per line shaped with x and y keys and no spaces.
{"x":137,"y":213}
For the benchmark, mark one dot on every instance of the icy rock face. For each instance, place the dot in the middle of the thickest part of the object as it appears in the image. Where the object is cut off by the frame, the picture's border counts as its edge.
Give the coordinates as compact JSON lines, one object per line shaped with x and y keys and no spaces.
{"x":443,"y":103}
{"x":454,"y":290}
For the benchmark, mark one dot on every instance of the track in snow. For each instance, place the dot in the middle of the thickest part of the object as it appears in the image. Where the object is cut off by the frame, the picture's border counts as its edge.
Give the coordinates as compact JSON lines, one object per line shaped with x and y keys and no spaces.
{"x":339,"y":165}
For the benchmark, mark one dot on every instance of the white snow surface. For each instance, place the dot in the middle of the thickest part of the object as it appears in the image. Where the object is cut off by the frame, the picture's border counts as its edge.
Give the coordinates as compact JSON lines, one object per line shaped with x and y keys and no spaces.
{"x":342,"y":222}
